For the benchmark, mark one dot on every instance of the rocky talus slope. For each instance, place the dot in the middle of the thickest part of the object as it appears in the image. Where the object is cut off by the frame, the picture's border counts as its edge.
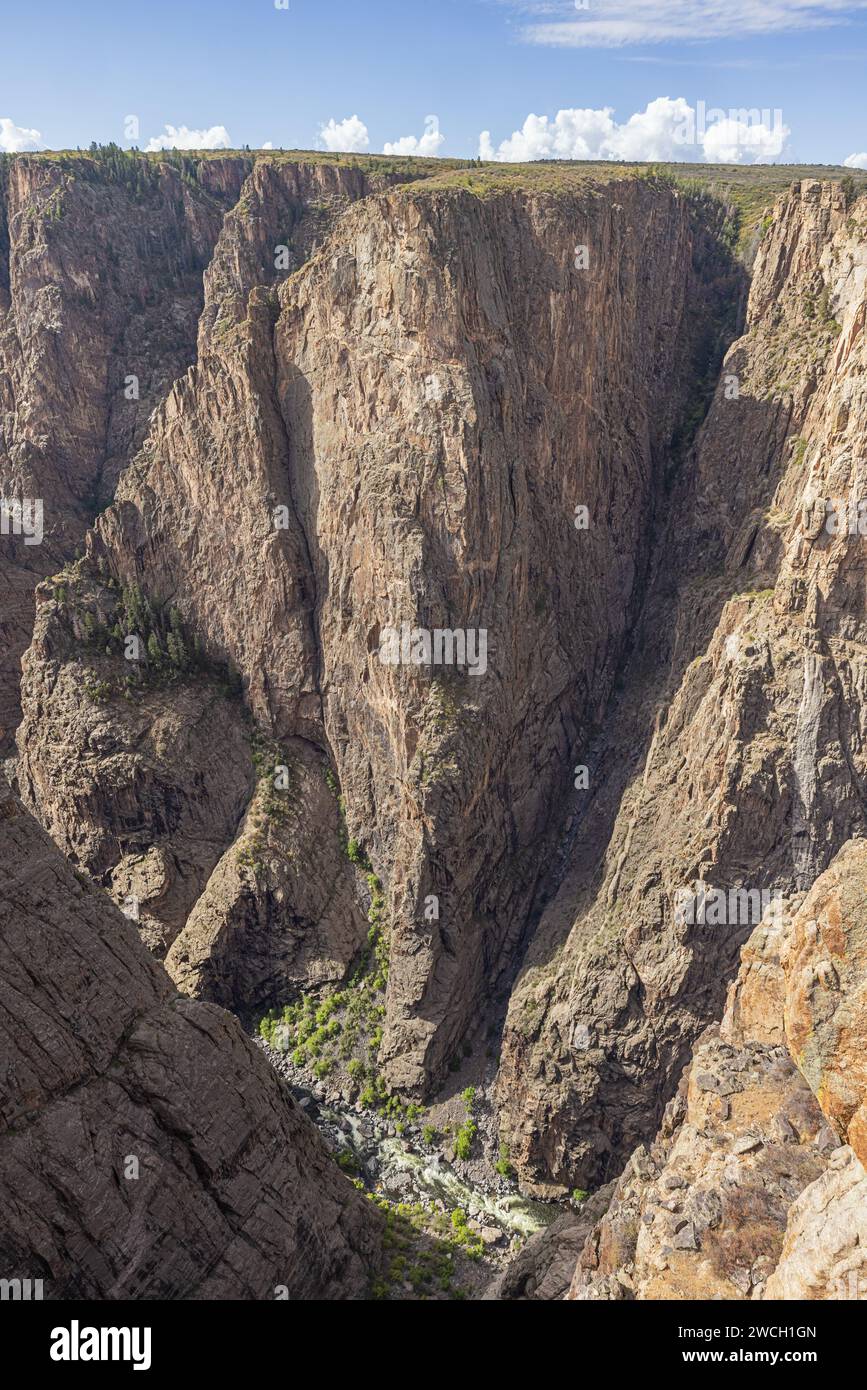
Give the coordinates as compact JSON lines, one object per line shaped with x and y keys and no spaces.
{"x":147,"y":1149}
{"x":372,"y":397}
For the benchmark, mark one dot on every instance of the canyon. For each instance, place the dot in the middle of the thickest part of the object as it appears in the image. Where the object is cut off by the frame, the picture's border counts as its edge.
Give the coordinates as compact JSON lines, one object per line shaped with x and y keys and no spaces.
{"x":255,"y":868}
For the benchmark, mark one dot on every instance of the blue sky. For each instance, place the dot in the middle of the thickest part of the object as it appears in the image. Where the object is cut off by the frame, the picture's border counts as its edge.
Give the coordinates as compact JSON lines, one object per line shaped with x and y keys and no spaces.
{"x":251,"y":73}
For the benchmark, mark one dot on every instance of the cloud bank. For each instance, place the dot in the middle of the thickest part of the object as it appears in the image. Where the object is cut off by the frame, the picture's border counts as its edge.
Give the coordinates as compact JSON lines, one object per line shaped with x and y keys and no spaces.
{"x":667,"y":129}
{"x":16,"y":139}
{"x":428,"y":144}
{"x":348,"y":137}
{"x":182,"y":138}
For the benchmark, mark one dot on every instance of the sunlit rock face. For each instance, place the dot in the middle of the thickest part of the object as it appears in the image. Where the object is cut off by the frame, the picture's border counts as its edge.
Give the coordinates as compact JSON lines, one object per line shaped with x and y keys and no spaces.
{"x":494,"y":552}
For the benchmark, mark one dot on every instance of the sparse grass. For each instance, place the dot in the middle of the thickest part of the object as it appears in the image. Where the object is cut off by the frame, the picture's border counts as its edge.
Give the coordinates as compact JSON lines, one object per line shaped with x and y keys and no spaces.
{"x":96,"y":690}
{"x":751,"y":187}
{"x":755,"y":595}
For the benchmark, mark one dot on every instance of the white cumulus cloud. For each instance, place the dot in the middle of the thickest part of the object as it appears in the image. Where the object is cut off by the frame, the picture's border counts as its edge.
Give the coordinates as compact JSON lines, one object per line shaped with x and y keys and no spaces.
{"x":349,"y":137}
{"x":428,"y":144}
{"x":216,"y":137}
{"x":15,"y":139}
{"x":621,"y":22}
{"x":669,"y":130}
{"x":856,"y":161}
{"x":734,"y":141}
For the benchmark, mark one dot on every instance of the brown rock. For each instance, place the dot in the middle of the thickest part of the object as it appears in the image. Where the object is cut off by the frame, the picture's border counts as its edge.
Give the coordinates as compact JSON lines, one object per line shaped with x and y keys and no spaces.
{"x":826,"y":993}
{"x":148,"y":1149}
{"x":735,"y":756}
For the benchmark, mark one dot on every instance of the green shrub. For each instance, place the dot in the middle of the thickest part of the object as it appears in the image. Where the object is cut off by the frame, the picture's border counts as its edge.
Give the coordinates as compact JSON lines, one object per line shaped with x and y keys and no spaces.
{"x":503,"y":1165}
{"x":464,"y":1139}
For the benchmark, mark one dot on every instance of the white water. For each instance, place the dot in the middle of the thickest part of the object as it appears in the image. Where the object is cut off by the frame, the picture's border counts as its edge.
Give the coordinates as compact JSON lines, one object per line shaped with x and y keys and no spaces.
{"x":394,"y":1167}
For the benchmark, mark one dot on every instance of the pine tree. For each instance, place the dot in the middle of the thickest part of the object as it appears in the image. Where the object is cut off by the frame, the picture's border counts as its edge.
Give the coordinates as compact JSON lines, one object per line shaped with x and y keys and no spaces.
{"x":177,"y":651}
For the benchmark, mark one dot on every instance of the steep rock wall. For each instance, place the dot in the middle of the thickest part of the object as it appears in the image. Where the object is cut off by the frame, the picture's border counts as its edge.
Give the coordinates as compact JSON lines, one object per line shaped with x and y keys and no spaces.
{"x":426,"y":403}
{"x":749,"y":1189}
{"x":100,"y":284}
{"x":148,"y":1149}
{"x":735,"y":757}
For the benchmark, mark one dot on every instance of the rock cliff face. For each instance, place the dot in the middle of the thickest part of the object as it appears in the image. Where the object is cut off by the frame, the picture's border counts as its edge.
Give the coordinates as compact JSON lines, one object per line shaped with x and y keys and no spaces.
{"x":549,"y":417}
{"x":749,"y":1190}
{"x":282,"y":908}
{"x":148,"y":1151}
{"x":735,"y":758}
{"x":405,"y":429}
{"x":825,"y":1003}
{"x":100,"y":298}
{"x":702,"y":1212}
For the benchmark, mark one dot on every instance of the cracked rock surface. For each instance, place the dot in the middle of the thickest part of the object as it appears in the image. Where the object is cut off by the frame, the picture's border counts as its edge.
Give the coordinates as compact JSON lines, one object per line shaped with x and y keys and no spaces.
{"x":147,"y":1150}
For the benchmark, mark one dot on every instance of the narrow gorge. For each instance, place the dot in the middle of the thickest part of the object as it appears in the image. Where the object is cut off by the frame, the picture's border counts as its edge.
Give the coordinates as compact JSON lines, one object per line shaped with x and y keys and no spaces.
{"x":449,"y":580}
